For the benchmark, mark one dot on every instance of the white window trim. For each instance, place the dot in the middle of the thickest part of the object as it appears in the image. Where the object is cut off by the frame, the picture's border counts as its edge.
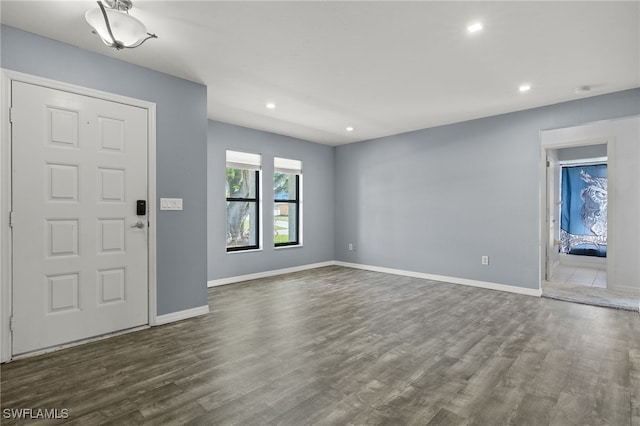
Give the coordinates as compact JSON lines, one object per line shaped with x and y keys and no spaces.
{"x":291,"y":166}
{"x":248,"y":161}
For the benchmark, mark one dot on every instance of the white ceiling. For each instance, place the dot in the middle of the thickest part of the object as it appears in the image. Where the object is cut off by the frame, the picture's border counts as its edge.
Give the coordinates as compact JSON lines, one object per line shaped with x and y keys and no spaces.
{"x":382,"y":67}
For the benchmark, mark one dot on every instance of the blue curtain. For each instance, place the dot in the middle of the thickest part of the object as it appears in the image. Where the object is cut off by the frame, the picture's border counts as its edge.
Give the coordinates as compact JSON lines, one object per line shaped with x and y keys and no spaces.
{"x":584,"y":210}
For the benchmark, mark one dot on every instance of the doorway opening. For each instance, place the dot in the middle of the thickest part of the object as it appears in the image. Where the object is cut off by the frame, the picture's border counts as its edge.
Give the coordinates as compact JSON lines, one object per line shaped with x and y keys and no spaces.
{"x":582,"y":200}
{"x":576,"y":222}
{"x":607,"y":267}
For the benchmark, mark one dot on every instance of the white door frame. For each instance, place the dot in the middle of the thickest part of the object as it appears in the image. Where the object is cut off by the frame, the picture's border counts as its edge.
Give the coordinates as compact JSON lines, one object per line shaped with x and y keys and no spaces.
{"x":556,"y":139}
{"x":5,"y":190}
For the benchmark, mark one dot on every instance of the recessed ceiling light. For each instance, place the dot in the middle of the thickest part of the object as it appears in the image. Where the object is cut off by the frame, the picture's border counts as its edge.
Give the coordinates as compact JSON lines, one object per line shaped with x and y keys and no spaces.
{"x":474,"y":27}
{"x":350,"y":129}
{"x":524,"y":87}
{"x":582,"y":89}
{"x":270,"y":105}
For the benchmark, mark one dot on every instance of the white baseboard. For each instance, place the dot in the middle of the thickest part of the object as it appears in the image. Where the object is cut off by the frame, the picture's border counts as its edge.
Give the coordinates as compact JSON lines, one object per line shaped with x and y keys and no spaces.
{"x":442,"y":278}
{"x":180,"y":315}
{"x":265,"y":274}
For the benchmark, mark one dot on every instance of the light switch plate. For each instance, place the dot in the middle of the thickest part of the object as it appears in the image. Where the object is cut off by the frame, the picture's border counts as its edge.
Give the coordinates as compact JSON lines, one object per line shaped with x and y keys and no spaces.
{"x":170,"y":203}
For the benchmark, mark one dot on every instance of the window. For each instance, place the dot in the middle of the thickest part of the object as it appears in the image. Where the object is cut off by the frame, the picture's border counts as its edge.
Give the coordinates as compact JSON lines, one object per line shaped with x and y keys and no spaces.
{"x":243,"y":201}
{"x":286,"y":207}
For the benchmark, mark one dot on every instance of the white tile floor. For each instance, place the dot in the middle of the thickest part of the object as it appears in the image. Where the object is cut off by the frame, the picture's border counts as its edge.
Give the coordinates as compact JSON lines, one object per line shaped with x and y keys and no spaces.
{"x":590,"y":277}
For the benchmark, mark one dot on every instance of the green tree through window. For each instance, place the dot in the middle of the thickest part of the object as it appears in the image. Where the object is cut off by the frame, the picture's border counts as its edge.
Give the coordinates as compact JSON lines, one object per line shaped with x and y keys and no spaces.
{"x":242,"y":207}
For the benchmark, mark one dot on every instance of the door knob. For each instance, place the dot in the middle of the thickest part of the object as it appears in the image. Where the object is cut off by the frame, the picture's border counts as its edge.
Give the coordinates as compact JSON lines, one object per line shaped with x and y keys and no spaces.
{"x":138,"y":225}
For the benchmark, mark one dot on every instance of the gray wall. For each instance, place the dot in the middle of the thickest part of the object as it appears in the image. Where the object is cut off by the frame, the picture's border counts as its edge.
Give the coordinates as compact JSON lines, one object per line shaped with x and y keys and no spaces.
{"x":430,"y":201}
{"x":180,"y":143}
{"x":436,"y":200}
{"x":317,"y":199}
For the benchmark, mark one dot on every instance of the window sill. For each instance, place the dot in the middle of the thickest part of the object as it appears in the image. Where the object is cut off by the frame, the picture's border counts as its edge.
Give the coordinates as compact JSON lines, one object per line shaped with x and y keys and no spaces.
{"x":287,"y":247}
{"x":244,"y":251}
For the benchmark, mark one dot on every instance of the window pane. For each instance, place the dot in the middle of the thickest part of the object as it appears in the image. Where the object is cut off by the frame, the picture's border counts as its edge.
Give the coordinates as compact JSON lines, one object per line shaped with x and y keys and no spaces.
{"x":285,"y":223}
{"x":241,"y":183}
{"x":284,"y":186}
{"x":242,"y":222}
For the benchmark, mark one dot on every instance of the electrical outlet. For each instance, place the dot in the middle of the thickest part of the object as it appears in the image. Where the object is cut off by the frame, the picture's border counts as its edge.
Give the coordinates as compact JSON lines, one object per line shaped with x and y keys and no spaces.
{"x":350,"y":247}
{"x":485,"y":260}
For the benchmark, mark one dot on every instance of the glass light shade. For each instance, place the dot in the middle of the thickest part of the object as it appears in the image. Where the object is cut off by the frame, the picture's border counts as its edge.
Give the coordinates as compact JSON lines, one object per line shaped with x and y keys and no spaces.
{"x":125,"y":28}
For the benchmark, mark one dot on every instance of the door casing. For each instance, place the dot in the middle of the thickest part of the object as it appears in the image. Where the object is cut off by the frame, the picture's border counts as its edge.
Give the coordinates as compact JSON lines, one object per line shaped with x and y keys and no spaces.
{"x":7,"y":76}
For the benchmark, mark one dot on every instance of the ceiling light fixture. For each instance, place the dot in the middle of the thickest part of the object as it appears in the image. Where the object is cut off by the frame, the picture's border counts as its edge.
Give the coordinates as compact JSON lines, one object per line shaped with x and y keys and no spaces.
{"x":582,"y":90}
{"x":474,"y":27}
{"x":349,"y":129}
{"x":524,"y":87}
{"x":270,"y":105}
{"x":115,"y":26}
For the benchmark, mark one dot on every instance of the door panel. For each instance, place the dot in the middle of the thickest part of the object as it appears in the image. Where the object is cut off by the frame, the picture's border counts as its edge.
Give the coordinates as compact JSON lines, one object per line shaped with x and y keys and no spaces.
{"x":553,"y":214}
{"x":78,"y":166}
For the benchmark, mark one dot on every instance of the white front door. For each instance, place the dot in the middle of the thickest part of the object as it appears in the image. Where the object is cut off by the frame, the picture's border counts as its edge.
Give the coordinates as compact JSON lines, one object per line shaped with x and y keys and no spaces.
{"x":79,"y":165}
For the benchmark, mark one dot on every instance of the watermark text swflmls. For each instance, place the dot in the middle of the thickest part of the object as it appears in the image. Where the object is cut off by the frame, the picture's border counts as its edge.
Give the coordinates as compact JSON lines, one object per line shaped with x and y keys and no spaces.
{"x":35,"y":413}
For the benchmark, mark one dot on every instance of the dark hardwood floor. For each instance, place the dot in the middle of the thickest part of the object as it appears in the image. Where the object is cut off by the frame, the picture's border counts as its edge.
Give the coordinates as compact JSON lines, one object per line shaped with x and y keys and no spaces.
{"x":349,"y":347}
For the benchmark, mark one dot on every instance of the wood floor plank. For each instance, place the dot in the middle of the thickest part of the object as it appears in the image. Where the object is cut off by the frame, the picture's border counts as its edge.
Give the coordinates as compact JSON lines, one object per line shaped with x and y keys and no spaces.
{"x":341,"y":346}
{"x":446,"y":417}
{"x":634,"y":385}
